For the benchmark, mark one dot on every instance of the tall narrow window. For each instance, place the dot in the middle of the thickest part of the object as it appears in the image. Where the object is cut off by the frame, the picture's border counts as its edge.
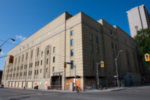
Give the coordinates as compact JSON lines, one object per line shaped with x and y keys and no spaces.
{"x":71,"y":33}
{"x":37,"y":72}
{"x":22,"y":57}
{"x":53,"y":69}
{"x":47,"y":61}
{"x":54,"y":49}
{"x":47,"y":51}
{"x":26,"y":56}
{"x":53,"y":59}
{"x":37,"y":63}
{"x":71,"y":42}
{"x":46,"y":70}
{"x":42,"y":54}
{"x":41,"y":62}
{"x":34,"y":72}
{"x":19,"y":60}
{"x":40,"y":70}
{"x":37,"y":51}
{"x":72,"y":65}
{"x":15,"y":61}
{"x":31,"y":53}
{"x":72,"y":52}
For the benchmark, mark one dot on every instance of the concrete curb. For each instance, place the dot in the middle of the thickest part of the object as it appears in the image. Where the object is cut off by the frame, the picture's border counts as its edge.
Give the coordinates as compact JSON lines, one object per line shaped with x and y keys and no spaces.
{"x":67,"y":91}
{"x":106,"y":90}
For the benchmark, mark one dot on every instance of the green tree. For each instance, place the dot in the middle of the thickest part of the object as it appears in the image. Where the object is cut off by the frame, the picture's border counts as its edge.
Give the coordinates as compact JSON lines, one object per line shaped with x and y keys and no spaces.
{"x":143,"y":42}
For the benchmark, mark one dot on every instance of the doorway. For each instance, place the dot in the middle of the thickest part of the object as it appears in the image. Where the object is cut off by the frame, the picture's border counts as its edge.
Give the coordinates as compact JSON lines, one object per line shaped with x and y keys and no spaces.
{"x":56,"y":82}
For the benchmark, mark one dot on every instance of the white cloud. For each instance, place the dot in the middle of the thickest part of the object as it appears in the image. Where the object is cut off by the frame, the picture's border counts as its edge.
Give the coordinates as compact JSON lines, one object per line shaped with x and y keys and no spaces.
{"x":19,"y":37}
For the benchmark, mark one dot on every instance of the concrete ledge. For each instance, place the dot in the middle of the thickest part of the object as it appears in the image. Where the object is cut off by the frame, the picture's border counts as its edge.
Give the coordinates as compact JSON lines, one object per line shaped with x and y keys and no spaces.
{"x":107,"y":90}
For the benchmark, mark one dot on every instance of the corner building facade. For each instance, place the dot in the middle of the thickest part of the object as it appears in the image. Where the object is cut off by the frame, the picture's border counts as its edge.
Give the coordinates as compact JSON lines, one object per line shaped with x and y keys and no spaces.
{"x":39,"y":60}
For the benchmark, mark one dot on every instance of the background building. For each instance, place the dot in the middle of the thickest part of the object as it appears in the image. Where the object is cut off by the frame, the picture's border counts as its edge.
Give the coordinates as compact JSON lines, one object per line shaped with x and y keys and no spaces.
{"x":39,"y":60}
{"x":138,"y":19}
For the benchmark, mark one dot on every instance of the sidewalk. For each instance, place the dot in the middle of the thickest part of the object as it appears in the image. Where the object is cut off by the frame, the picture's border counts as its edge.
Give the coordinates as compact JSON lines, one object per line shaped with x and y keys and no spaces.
{"x":106,"y":90}
{"x":68,"y":91}
{"x":88,"y":91}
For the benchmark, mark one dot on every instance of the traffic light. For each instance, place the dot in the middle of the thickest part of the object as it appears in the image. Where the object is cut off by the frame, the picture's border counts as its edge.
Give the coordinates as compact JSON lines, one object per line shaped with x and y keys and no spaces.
{"x":147,"y":57}
{"x":0,"y":50}
{"x":11,"y":59}
{"x":64,"y":64}
{"x":102,"y":64}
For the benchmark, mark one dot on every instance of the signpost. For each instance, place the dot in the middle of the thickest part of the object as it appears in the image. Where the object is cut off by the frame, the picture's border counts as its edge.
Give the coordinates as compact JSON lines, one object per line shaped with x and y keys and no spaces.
{"x":65,"y":65}
{"x":101,"y":63}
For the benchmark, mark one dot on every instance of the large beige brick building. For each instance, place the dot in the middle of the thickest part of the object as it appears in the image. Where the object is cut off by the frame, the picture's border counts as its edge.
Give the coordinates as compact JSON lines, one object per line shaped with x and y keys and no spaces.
{"x":39,"y":59}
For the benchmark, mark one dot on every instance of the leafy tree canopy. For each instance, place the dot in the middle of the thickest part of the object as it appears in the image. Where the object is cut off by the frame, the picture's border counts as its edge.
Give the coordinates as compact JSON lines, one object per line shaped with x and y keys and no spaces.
{"x":143,"y":42}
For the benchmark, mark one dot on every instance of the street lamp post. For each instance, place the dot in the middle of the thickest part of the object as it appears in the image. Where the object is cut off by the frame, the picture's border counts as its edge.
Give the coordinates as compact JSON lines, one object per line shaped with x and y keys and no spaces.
{"x":6,"y":42}
{"x":97,"y":74}
{"x":116,"y":63}
{"x":75,"y":75}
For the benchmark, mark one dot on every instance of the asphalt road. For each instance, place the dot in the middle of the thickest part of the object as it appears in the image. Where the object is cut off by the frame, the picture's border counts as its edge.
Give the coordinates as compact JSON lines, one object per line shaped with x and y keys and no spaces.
{"x":134,"y":93}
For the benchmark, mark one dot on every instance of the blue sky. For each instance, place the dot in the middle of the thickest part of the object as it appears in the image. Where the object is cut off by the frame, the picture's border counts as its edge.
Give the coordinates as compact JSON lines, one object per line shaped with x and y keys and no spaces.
{"x":21,"y":18}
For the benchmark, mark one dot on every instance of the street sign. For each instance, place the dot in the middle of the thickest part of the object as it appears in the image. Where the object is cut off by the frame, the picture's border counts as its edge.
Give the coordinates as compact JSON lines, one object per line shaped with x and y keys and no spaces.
{"x":115,"y":76}
{"x":69,"y":63}
{"x":147,"y":57}
{"x":65,"y":63}
{"x":102,"y":64}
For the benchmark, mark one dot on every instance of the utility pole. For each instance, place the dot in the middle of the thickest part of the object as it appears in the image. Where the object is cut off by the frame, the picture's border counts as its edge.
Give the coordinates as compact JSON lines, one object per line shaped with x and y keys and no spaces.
{"x":116,"y":63}
{"x":4,"y":43}
{"x":99,"y":64}
{"x":64,"y":75}
{"x":97,"y":75}
{"x":75,"y":72}
{"x":65,"y":65}
{"x":117,"y":74}
{"x":65,"y":57}
{"x":75,"y":75}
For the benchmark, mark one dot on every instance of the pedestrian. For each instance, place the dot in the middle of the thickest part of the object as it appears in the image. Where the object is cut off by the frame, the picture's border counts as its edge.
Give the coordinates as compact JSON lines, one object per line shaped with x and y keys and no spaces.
{"x":78,"y":89}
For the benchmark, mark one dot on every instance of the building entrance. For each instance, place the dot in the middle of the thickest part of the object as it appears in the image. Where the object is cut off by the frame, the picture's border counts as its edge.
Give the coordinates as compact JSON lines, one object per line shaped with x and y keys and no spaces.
{"x":56,"y":82}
